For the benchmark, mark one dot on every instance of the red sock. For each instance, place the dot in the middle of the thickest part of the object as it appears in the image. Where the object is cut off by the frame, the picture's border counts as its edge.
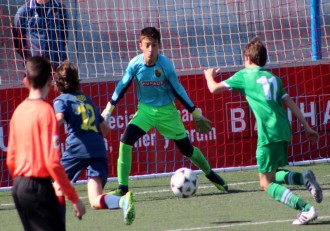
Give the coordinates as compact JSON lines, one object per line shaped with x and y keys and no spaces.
{"x":103,"y":205}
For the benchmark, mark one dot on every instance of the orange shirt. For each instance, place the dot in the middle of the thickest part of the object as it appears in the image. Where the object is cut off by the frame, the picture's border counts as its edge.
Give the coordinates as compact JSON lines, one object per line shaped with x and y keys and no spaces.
{"x":33,"y":147}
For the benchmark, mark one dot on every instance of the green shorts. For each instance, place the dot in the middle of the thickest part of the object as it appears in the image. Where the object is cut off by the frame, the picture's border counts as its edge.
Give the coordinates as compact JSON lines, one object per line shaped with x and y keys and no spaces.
{"x":272,"y":156}
{"x":166,"y":119}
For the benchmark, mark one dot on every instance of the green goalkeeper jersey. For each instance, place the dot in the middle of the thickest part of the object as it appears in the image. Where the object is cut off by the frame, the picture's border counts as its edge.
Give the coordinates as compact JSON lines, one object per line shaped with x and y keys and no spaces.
{"x":264,"y":93}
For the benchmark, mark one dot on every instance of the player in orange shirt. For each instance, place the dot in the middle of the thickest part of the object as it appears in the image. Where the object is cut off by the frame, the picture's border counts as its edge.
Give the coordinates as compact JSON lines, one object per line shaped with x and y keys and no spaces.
{"x":33,"y":156}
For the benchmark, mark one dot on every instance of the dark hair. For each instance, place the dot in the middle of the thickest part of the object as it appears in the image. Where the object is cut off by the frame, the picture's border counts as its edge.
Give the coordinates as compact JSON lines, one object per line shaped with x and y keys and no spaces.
{"x":257,"y":52}
{"x":150,"y":32}
{"x":38,"y":71}
{"x":67,"y":78}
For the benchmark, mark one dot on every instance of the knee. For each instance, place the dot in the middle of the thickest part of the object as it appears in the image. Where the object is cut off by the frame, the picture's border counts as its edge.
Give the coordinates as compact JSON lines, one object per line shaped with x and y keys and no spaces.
{"x":95,"y":204}
{"x":132,"y":134}
{"x":266,"y":179}
{"x":95,"y":207}
{"x":185,"y":147}
{"x":125,"y":139}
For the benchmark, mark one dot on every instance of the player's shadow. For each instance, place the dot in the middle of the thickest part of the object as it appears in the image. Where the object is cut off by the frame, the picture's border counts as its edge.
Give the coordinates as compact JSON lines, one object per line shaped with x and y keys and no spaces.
{"x":228,"y":222}
{"x":7,"y":208}
{"x":244,"y":191}
{"x":230,"y":191}
{"x":319,"y":222}
{"x":315,"y":223}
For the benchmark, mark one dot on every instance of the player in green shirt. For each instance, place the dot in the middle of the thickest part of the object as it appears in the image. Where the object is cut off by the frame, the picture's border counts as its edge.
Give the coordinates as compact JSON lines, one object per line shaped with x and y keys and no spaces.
{"x":265,"y":96}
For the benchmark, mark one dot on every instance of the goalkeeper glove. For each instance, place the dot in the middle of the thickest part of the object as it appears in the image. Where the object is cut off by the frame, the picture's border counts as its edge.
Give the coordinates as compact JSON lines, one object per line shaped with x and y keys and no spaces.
{"x":107,"y":111}
{"x":203,"y":125}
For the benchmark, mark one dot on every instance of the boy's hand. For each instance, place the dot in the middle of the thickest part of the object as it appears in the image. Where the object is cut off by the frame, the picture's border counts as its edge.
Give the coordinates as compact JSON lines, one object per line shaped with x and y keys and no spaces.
{"x":79,"y":209}
{"x":203,"y":125}
{"x":106,"y":113}
{"x":212,"y":72}
{"x":312,"y":135}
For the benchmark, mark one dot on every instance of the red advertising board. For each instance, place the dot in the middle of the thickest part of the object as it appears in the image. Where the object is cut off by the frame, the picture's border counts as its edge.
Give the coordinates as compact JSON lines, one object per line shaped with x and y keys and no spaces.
{"x":232,"y":141}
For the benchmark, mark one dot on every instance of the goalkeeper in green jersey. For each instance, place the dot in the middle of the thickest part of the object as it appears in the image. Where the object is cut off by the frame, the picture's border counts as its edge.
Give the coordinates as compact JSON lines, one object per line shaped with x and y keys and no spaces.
{"x":157,"y":87}
{"x":265,"y":94}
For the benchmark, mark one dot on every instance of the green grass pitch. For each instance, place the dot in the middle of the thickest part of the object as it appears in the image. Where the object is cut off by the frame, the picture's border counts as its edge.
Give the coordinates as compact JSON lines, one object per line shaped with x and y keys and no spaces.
{"x":245,"y":207}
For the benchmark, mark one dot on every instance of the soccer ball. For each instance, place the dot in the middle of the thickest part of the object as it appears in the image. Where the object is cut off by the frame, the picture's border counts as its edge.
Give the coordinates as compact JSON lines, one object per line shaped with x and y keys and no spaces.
{"x":184,"y":182}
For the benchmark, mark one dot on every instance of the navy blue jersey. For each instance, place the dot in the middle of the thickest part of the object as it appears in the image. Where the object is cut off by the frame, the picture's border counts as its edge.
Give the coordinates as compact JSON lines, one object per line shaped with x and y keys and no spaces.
{"x":157,"y":85}
{"x":41,"y":30}
{"x":82,"y":119}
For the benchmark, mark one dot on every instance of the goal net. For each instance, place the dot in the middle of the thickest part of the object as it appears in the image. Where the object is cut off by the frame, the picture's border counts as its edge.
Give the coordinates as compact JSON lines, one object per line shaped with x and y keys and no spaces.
{"x":103,"y":36}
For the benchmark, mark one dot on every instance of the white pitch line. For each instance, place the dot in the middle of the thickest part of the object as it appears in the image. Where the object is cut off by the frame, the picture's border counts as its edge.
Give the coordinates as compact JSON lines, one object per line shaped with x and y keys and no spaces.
{"x":10,"y":204}
{"x":239,"y":224}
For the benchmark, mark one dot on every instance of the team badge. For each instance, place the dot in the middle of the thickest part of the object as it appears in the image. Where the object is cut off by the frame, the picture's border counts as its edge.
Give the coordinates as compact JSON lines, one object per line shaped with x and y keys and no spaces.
{"x":158,"y":73}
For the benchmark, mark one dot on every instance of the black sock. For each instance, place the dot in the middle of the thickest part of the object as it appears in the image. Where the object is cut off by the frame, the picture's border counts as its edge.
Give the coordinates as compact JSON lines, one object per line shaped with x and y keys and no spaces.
{"x":123,"y":188}
{"x":212,"y":176}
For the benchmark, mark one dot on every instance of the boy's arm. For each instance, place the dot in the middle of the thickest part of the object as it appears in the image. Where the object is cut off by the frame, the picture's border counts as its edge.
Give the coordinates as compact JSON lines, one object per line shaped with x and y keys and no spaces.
{"x":311,"y":134}
{"x":63,"y":29}
{"x":119,"y":92}
{"x":178,"y":90}
{"x":203,"y":125}
{"x":60,"y":118}
{"x":214,"y":87}
{"x":50,"y":146}
{"x":104,"y":128}
{"x":106,"y":113}
{"x":64,"y":19}
{"x":11,"y":151}
{"x":19,"y":32}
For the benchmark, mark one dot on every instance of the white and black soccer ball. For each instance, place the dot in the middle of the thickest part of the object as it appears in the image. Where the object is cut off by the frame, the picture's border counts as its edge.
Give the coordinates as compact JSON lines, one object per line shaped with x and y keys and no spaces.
{"x":184,"y":182}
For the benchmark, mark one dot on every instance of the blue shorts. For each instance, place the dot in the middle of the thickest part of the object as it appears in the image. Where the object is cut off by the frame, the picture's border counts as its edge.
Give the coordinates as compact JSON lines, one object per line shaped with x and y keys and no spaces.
{"x":96,"y":167}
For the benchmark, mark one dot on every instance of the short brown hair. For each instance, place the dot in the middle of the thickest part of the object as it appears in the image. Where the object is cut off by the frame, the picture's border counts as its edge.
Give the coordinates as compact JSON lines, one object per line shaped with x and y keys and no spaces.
{"x":257,"y":52}
{"x":38,"y":71}
{"x":150,"y":32}
{"x":67,"y":78}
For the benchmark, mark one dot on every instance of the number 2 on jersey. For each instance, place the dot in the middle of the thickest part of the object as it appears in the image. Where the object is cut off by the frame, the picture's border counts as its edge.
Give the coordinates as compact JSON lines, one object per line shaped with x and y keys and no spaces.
{"x":270,"y":92}
{"x":88,"y":117}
